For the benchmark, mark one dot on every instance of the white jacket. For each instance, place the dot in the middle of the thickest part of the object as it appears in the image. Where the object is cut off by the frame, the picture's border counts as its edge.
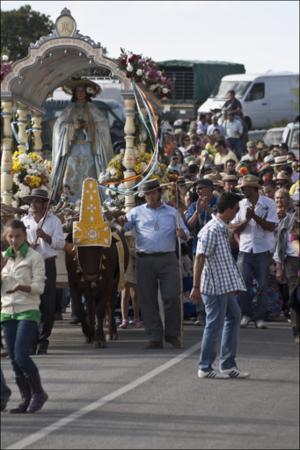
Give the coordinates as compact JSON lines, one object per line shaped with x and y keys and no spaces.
{"x":29,"y":271}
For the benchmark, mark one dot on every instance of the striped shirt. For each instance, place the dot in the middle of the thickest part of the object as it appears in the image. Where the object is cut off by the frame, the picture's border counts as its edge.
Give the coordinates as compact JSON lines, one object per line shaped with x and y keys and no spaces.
{"x":220,"y":273}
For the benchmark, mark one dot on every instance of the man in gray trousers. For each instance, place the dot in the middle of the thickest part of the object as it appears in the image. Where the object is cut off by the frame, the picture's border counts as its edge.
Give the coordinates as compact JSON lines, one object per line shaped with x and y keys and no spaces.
{"x":157,"y":227}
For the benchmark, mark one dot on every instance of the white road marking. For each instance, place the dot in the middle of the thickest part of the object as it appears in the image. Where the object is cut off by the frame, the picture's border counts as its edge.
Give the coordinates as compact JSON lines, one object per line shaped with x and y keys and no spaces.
{"x":31,"y":439}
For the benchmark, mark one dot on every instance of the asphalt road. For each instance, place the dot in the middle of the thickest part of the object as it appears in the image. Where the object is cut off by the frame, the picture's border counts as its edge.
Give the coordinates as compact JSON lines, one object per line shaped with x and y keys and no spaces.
{"x":126,"y":397}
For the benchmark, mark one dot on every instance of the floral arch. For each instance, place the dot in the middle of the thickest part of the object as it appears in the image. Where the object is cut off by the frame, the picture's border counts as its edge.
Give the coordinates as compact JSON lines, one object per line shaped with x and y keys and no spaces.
{"x":50,"y":62}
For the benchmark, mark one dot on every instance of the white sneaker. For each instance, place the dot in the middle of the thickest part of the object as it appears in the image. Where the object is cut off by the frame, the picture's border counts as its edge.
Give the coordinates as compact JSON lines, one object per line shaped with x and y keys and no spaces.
{"x":245,"y":321}
{"x":212,"y":374}
{"x":261,"y":325}
{"x":235,"y":373}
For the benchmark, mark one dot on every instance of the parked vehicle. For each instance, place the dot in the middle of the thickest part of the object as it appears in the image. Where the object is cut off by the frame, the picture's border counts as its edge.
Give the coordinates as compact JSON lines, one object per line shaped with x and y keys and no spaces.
{"x":193,"y":82}
{"x":273,"y":136}
{"x":256,"y":135}
{"x":266,"y":98}
{"x":291,"y":137}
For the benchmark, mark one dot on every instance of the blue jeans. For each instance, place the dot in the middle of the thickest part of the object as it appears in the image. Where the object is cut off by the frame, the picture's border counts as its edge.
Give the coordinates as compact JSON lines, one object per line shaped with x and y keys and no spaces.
{"x":223,"y":317}
{"x":254,"y":265}
{"x":20,"y":336}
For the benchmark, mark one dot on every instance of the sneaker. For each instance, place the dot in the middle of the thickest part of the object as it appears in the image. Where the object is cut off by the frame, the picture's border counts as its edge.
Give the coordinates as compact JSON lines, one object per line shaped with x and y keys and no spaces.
{"x":212,"y":374}
{"x":124,"y":324}
{"x":234,"y":372}
{"x":245,"y":321}
{"x":260,"y":324}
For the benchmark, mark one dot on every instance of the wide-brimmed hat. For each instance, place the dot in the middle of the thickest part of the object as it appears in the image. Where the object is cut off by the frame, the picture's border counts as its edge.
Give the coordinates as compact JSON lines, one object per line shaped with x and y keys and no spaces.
{"x":249,"y":180}
{"x":36,"y":193}
{"x":205,"y":183}
{"x":93,"y":89}
{"x":280,"y":160}
{"x":228,"y":177}
{"x":282,"y":175}
{"x":150,"y":185}
{"x":269,"y":159}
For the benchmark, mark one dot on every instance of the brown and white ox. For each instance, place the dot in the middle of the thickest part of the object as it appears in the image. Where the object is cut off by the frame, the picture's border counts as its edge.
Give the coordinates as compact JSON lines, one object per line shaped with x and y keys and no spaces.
{"x":93,"y":272}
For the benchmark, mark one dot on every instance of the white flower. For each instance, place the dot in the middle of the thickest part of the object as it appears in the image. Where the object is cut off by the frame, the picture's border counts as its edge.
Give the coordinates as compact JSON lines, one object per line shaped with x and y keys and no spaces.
{"x":5,"y":58}
{"x":23,"y":158}
{"x":113,"y":171}
{"x":129,"y":68}
{"x":165,"y":90}
{"x":139,"y":72}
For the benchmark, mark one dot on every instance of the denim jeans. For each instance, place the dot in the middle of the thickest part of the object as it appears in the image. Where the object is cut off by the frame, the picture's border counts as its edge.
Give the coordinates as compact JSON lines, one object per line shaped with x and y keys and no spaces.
{"x":254,"y":265}
{"x":223,"y":317}
{"x":19,"y":336}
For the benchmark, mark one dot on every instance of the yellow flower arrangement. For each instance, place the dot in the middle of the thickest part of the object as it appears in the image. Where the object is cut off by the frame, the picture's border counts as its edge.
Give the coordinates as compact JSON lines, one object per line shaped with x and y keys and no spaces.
{"x":29,"y":171}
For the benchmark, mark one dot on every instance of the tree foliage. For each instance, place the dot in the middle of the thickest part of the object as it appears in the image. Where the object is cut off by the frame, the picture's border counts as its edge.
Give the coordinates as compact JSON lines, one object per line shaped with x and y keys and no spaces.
{"x":21,"y":27}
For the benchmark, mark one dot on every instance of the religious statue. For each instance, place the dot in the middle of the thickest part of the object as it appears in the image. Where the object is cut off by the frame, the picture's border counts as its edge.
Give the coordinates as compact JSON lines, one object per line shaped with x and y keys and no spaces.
{"x":81,"y":145}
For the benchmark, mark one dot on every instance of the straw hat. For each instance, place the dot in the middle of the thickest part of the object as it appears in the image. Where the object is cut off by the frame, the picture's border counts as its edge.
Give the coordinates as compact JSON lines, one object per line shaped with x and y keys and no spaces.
{"x":93,"y":89}
{"x":282,"y":175}
{"x":36,"y":193}
{"x":249,"y":180}
{"x":227,"y":177}
{"x":280,"y":161}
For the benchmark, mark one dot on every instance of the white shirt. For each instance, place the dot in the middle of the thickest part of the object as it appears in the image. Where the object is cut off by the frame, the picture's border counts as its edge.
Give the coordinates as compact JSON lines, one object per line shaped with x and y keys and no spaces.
{"x":29,"y":271}
{"x":53,"y":227}
{"x":254,"y":238}
{"x":233,"y":129}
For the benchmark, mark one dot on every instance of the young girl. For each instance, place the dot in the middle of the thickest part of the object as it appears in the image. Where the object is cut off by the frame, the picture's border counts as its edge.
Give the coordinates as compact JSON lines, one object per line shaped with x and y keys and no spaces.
{"x":23,"y":281}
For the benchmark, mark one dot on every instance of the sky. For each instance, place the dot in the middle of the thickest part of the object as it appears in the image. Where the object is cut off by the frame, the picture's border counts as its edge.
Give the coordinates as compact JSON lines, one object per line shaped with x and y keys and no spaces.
{"x":262,"y":35}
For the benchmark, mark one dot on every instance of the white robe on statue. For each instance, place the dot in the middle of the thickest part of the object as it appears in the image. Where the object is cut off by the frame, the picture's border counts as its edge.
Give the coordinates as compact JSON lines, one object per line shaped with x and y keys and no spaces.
{"x":79,"y":153}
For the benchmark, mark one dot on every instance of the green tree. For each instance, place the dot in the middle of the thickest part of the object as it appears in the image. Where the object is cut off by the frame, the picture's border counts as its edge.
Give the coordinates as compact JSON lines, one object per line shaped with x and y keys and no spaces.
{"x":20,"y":27}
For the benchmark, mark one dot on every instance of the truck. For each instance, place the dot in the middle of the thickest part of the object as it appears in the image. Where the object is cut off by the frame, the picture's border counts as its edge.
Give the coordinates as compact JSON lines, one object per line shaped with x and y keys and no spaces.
{"x":193,"y":81}
{"x":267,"y":98}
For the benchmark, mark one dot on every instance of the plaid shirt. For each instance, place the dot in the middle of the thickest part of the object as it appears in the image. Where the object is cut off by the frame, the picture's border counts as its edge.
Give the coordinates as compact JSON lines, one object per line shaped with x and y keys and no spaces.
{"x":220,"y":273}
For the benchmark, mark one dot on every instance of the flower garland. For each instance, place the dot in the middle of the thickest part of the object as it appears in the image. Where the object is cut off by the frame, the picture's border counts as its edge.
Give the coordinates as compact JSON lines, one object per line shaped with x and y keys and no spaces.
{"x":29,"y":171}
{"x":6,"y":67}
{"x":145,"y":71}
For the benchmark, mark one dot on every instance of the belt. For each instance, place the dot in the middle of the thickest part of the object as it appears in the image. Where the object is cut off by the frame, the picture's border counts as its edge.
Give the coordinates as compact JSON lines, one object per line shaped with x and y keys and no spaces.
{"x":154,"y":254}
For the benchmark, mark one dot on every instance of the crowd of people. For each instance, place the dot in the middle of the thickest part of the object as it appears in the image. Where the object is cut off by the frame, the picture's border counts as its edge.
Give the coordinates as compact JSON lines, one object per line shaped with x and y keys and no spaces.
{"x":228,"y":221}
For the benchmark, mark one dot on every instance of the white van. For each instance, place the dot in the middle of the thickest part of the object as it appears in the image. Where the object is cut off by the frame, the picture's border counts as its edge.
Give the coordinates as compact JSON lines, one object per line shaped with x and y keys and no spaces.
{"x":266,"y":98}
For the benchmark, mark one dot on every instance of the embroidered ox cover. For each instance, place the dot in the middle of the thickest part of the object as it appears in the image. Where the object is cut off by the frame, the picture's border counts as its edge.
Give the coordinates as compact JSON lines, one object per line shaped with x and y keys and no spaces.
{"x":91,"y":230}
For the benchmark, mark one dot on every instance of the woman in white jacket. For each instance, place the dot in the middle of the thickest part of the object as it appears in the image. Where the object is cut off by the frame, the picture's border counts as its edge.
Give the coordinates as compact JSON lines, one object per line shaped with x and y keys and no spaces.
{"x":23,"y":281}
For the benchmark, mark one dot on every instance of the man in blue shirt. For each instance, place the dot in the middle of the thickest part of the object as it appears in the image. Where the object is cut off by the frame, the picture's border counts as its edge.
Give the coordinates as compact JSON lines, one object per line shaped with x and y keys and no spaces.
{"x":157,"y":227}
{"x":199,"y":212}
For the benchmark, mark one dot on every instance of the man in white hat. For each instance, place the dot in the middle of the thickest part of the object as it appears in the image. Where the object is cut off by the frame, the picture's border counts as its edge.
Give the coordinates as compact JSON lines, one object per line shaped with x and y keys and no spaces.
{"x":45,"y":234}
{"x":254,"y":224}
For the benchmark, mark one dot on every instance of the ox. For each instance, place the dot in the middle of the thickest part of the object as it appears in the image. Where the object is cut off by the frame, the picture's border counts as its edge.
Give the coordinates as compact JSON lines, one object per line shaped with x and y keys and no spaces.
{"x":94,"y":273}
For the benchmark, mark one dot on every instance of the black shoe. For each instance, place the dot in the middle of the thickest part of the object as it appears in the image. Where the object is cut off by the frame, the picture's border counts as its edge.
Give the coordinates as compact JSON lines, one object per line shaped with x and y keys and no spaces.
{"x":175,"y":341}
{"x":58,"y":316}
{"x":39,"y":396}
{"x":74,"y":321}
{"x":153,"y":345}
{"x":42,"y":348}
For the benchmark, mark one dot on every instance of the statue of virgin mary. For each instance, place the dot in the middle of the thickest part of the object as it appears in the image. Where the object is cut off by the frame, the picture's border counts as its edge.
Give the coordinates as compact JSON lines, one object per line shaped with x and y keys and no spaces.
{"x":81,"y":145}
